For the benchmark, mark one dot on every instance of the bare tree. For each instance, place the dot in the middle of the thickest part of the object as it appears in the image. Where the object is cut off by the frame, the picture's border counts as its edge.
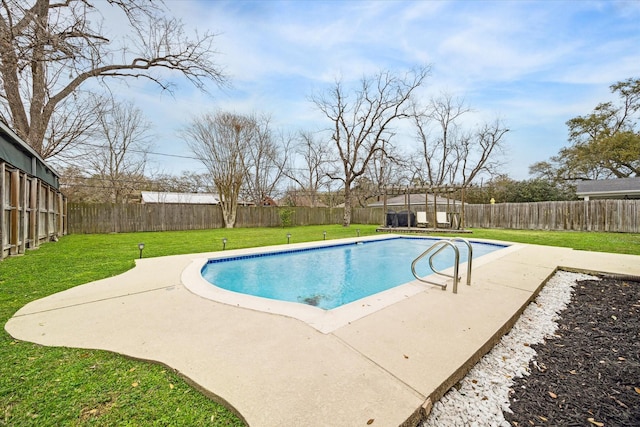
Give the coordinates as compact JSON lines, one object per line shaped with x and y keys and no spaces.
{"x":264,"y":162}
{"x":73,"y":125}
{"x":77,"y":186}
{"x":186,"y":182}
{"x":452,"y":153}
{"x":310,"y":172}
{"x":119,"y":158}
{"x":388,"y":167}
{"x":480,"y":153}
{"x":362,"y":120}
{"x":221,"y":141}
{"x":49,"y":49}
{"x":438,"y":145}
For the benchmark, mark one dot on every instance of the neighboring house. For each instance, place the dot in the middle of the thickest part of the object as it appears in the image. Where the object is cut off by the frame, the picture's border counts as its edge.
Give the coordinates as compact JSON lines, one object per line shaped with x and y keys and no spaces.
{"x":32,"y":207}
{"x":621,"y":188}
{"x":149,"y":197}
{"x":268,"y":201}
{"x":180,"y":198}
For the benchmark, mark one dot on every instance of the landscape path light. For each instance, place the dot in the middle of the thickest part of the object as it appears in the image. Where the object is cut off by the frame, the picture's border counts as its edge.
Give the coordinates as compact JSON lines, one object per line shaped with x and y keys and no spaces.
{"x":288,"y":237}
{"x":224,"y":243}
{"x":141,"y":247}
{"x":324,"y":234}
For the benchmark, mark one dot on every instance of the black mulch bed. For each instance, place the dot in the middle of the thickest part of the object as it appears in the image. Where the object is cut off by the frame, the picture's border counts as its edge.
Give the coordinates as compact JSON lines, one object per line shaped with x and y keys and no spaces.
{"x":589,"y":375}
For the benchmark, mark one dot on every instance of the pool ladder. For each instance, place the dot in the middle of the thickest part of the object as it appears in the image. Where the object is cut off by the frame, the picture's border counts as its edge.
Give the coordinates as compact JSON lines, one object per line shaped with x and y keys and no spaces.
{"x":434,"y":250}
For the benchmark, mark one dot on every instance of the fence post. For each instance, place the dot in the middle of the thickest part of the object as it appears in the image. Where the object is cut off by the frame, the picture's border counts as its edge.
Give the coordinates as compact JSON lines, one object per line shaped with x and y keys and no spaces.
{"x":14,"y":225}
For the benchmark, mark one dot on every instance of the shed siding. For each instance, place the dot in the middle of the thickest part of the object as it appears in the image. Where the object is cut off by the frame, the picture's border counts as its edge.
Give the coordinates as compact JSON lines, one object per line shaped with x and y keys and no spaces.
{"x":32,"y":209}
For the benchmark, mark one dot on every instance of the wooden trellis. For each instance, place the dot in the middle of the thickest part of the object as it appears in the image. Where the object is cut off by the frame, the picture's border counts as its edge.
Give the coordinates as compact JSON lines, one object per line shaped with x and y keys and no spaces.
{"x":434,"y":191}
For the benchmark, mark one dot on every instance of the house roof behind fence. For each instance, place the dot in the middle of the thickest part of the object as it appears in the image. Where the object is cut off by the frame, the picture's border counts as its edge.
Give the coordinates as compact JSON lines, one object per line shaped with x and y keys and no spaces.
{"x":180,"y":198}
{"x":610,"y":188}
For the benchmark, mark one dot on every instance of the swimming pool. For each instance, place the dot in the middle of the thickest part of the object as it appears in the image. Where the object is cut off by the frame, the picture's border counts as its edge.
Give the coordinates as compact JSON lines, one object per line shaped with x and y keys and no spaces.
{"x":333,"y":275}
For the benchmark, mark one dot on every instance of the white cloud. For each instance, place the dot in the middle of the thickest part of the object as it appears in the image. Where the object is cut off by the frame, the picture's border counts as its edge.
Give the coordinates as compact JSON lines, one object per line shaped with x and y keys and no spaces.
{"x":533,"y":64}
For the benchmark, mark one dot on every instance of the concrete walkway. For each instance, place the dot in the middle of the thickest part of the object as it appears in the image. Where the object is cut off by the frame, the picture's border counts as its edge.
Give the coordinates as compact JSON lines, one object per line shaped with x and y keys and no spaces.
{"x":279,"y":371}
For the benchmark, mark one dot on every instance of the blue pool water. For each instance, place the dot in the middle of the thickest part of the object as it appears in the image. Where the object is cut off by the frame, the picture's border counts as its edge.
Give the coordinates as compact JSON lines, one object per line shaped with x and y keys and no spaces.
{"x":329,"y":277}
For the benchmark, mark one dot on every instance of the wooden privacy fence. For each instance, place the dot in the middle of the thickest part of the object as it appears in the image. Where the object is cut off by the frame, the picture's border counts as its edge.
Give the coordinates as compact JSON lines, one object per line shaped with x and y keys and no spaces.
{"x":621,"y":216}
{"x":122,"y":218}
{"x":595,"y":215}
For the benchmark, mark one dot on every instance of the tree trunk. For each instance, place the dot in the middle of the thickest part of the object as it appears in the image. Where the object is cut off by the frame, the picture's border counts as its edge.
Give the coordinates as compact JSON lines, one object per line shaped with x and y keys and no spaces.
{"x":229,"y":220}
{"x":48,"y":49}
{"x":346,"y":222}
{"x":228,"y":215}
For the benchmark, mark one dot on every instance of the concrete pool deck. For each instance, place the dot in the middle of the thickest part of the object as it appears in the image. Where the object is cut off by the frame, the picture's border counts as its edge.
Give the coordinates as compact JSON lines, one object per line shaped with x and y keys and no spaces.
{"x":277,"y":370}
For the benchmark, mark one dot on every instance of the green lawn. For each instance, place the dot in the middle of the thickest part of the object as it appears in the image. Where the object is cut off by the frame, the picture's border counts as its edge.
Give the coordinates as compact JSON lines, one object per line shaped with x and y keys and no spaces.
{"x":620,"y":243}
{"x":61,"y":386}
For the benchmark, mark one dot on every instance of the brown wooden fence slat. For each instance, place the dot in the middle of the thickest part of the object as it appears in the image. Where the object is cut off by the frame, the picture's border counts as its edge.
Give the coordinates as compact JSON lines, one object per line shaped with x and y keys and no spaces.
{"x":619,"y":216}
{"x":113,"y":218}
{"x":596,"y":215}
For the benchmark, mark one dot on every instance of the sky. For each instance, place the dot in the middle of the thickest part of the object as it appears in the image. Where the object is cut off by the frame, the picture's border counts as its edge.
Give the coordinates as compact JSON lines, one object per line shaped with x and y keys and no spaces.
{"x":532,"y":64}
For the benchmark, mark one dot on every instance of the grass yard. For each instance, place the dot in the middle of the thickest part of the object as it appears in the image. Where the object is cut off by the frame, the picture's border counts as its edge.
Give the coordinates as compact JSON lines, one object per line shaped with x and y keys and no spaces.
{"x":48,"y":386}
{"x":620,"y":243}
{"x":59,"y":386}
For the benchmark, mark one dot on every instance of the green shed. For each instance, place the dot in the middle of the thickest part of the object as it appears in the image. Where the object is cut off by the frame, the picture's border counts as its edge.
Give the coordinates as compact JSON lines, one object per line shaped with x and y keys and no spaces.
{"x":33,"y":208}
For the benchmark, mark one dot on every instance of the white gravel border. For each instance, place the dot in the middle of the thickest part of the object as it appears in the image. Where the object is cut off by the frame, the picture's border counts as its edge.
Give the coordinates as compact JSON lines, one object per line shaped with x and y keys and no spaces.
{"x":484,"y":393}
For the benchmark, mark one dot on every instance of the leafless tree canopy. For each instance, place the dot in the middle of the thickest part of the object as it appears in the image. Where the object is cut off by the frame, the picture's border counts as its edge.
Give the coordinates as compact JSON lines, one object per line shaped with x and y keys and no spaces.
{"x":264,"y":162}
{"x":310,"y":174}
{"x":439,"y":132}
{"x":48,"y":49}
{"x":73,"y":125}
{"x":481,"y":153}
{"x":451,"y":152}
{"x":110,"y":168}
{"x":120,"y":159}
{"x":186,"y":182}
{"x":388,"y":167}
{"x":363,"y":119}
{"x":221,"y":141}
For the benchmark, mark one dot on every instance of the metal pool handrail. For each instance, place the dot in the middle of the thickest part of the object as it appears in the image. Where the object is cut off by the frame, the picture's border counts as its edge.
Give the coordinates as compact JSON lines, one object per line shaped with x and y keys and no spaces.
{"x":439,"y":247}
{"x":469,"y":257}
